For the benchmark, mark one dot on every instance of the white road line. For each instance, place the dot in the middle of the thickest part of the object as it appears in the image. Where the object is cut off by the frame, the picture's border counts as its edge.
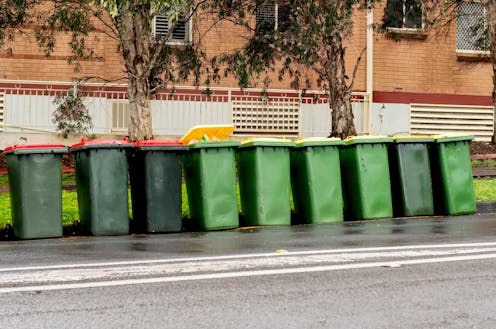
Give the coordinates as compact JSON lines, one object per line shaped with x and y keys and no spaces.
{"x":227,"y":275}
{"x":244,"y":256}
{"x":115,"y":273}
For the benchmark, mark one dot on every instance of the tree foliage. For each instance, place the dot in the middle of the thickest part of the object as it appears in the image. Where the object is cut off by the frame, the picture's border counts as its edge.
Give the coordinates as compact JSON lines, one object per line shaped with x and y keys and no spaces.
{"x":13,"y":14}
{"x":150,"y":61}
{"x":71,"y":115}
{"x":306,"y":41}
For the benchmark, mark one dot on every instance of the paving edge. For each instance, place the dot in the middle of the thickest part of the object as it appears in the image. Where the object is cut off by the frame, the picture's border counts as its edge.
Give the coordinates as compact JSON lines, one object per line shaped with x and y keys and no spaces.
{"x":482,"y":156}
{"x":487,"y":207}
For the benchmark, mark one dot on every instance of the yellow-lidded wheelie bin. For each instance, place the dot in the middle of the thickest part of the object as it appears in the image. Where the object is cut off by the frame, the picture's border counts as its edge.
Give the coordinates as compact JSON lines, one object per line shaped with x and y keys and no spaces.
{"x":366,"y":178}
{"x":453,"y":182}
{"x":411,"y":180}
{"x":210,"y":175}
{"x":316,"y":180}
{"x":265,"y":181}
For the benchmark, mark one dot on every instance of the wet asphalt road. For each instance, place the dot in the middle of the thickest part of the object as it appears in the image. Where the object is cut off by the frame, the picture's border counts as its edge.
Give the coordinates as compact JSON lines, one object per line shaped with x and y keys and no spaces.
{"x":375,"y":233}
{"x":421,"y":273}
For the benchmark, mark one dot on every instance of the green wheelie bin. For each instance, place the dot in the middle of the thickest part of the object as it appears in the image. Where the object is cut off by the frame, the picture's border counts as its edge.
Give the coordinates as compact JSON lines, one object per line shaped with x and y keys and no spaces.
{"x":156,"y":186}
{"x":411,"y":180}
{"x":265,"y":181}
{"x":366,"y":178}
{"x":210,"y":174}
{"x":316,"y":180}
{"x":102,"y":186}
{"x":453,"y":183}
{"x":35,"y":180}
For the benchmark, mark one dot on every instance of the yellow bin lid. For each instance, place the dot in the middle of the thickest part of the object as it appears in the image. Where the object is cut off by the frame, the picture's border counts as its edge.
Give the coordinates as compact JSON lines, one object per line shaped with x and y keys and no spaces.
{"x":318,"y":141}
{"x":366,"y":139}
{"x":413,"y":139}
{"x":267,"y":142}
{"x":207,"y":133}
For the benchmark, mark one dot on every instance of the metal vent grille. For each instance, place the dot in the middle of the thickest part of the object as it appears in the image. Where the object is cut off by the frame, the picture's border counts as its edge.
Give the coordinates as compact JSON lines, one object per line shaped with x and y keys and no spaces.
{"x":2,"y":110}
{"x":279,"y":116}
{"x":120,"y":117}
{"x":180,"y":34}
{"x":449,"y":120}
{"x":471,"y":27}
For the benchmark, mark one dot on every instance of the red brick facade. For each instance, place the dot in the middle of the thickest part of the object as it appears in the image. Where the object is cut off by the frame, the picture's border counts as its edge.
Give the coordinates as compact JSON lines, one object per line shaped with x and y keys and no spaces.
{"x":424,"y":66}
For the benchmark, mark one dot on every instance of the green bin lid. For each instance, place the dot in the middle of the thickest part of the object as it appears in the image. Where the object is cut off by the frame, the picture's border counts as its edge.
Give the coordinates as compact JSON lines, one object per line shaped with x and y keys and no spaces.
{"x":413,"y":139}
{"x":35,"y":148}
{"x":100,"y":144}
{"x":367,"y":140}
{"x":318,"y":141}
{"x":158,"y":145}
{"x":273,"y":142}
{"x":201,"y":145}
{"x":459,"y":138}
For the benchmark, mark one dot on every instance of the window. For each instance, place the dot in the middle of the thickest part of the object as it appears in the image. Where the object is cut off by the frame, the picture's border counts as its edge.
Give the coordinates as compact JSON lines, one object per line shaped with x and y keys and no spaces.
{"x":404,"y":14}
{"x":271,"y":17}
{"x":471,"y":28}
{"x":181,"y":32}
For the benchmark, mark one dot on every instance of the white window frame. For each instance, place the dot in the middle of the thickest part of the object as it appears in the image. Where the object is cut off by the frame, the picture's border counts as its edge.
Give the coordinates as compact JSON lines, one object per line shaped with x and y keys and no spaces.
{"x":471,"y":52}
{"x":276,"y":15}
{"x":403,"y":28}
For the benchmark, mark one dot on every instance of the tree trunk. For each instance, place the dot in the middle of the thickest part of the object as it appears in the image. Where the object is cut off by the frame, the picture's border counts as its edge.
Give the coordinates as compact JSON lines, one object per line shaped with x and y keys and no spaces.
{"x":339,"y":93}
{"x":342,"y":118}
{"x":140,"y":123}
{"x":134,"y":38}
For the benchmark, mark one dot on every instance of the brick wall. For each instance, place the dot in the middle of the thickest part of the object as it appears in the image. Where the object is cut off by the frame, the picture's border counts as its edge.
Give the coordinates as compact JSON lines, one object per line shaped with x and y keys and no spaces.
{"x":427,"y":65}
{"x":406,"y":65}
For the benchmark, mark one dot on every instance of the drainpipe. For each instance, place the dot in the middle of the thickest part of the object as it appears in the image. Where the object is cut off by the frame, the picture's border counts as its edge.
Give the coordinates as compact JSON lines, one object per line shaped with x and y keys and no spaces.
{"x":370,"y":66}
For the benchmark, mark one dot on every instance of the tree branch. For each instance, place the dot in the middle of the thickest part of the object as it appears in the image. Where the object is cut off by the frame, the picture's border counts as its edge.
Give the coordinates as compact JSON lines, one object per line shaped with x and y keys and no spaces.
{"x":105,"y":81}
{"x":112,"y":28}
{"x":355,"y":69}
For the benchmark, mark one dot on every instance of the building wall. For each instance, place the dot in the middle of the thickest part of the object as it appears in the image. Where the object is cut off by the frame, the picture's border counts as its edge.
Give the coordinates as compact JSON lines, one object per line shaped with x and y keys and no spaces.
{"x":390,"y":119}
{"x":427,"y":65}
{"x":400,"y":65}
{"x":28,"y":61}
{"x":406,"y":71}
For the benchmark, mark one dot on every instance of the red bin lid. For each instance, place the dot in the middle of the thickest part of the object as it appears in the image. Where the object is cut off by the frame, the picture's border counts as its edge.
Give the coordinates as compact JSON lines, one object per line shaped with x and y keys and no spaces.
{"x":96,"y":142}
{"x":153,"y":142}
{"x":34,"y":146}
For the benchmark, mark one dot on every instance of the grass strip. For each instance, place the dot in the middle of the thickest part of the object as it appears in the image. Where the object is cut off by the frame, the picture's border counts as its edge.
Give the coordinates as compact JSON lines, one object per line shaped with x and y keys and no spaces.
{"x":484,"y":163}
{"x":485,"y":190}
